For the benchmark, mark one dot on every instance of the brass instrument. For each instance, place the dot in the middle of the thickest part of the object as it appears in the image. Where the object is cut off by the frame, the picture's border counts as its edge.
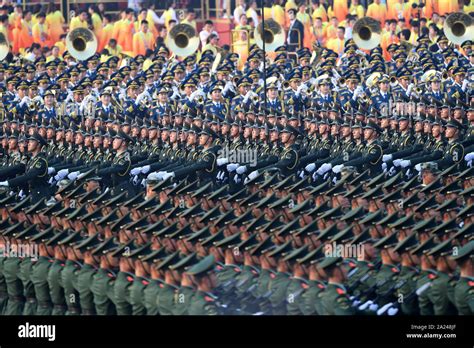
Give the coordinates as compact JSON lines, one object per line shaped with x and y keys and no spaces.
{"x":393,"y":79}
{"x":4,"y":47}
{"x":272,"y":35}
{"x":367,"y":33}
{"x":182,"y":40}
{"x":459,"y":27}
{"x":81,"y":43}
{"x":372,"y":79}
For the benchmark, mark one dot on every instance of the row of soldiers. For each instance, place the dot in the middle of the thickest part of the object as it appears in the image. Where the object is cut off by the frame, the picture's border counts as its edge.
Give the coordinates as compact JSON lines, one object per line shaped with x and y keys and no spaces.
{"x":313,"y":184}
{"x":212,"y":86}
{"x":152,"y":218}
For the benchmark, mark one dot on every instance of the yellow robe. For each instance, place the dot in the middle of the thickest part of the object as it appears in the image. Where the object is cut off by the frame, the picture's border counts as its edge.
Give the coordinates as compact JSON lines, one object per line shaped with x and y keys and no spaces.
{"x":106,"y":35}
{"x":40,"y":35}
{"x":55,"y":21}
{"x":379,"y":12}
{"x":358,"y":11}
{"x":77,"y":23}
{"x":142,"y":41}
{"x":97,"y":24}
{"x":321,"y":13}
{"x":340,"y":9}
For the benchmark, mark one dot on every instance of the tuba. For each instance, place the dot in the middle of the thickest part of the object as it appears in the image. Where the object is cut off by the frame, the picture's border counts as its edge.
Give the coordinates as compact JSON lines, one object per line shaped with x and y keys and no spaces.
{"x":4,"y":47}
{"x":81,"y":43}
{"x":367,"y":33}
{"x":182,"y":40}
{"x":459,"y":27}
{"x":271,"y":36}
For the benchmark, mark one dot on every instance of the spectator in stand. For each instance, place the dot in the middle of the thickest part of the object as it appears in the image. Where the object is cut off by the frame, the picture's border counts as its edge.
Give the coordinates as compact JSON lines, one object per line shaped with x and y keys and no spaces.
{"x":206,"y":31}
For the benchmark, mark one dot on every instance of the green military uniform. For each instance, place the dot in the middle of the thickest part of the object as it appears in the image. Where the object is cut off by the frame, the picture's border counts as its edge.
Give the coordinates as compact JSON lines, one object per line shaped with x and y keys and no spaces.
{"x":68,"y":281}
{"x":464,"y":289}
{"x":183,"y":298}
{"x":122,"y":293}
{"x":26,"y":266}
{"x":39,"y":278}
{"x":150,"y":294}
{"x":406,"y":287}
{"x":203,"y":302}
{"x":137,"y":296}
{"x":102,"y":289}
{"x":3,"y":288}
{"x":335,"y":300}
{"x":312,"y":304}
{"x":11,"y":271}
{"x":56,"y":291}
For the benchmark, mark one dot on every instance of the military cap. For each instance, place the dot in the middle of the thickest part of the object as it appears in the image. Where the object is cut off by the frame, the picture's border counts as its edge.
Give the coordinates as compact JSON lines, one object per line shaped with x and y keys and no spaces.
{"x":387,"y":242}
{"x":202,"y":267}
{"x":443,"y":249}
{"x":407,"y":244}
{"x":89,"y":243}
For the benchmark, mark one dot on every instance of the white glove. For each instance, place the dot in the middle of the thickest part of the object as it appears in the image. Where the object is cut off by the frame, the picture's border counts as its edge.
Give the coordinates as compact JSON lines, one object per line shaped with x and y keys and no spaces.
{"x":253,"y":175}
{"x":237,"y":179}
{"x":232,"y":166}
{"x":222,"y":161}
{"x":246,"y":97}
{"x":384,"y":167}
{"x":51,"y":180}
{"x":61,"y":174}
{"x":396,"y":162}
{"x":301,"y":175}
{"x":338,"y":168}
{"x":405,"y":163}
{"x":143,"y":183}
{"x":465,"y":83}
{"x":73,"y":176}
{"x":469,"y":163}
{"x":410,"y":87}
{"x":135,"y":180}
{"x":192,"y":96}
{"x":324,"y":168}
{"x":386,"y":158}
{"x":469,"y":156}
{"x":310,"y":167}
{"x":4,"y":183}
{"x":315,"y":176}
{"x":409,"y":174}
{"x":21,"y":194}
{"x":392,"y":171}
{"x":392,"y":311}
{"x":241,"y":170}
{"x":51,"y":170}
{"x":168,"y":175}
{"x":418,"y":167}
{"x":145,"y":169}
{"x":159,"y":175}
{"x":24,"y":100}
{"x":373,"y":307}
{"x":135,"y":171}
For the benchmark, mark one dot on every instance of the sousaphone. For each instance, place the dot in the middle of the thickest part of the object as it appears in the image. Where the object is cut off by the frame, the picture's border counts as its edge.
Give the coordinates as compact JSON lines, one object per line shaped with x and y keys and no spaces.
{"x":81,"y":43}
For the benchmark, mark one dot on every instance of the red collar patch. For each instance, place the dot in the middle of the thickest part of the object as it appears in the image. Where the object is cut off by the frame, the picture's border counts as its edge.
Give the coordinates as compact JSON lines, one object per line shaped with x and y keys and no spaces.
{"x":208,"y":299}
{"x":144,"y":282}
{"x":130,"y":279}
{"x":470,"y":283}
{"x":432,"y":276}
{"x":110,"y":275}
{"x":272,"y":275}
{"x":340,"y":291}
{"x":395,"y":270}
{"x":321,"y":286}
{"x":304,"y":286}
